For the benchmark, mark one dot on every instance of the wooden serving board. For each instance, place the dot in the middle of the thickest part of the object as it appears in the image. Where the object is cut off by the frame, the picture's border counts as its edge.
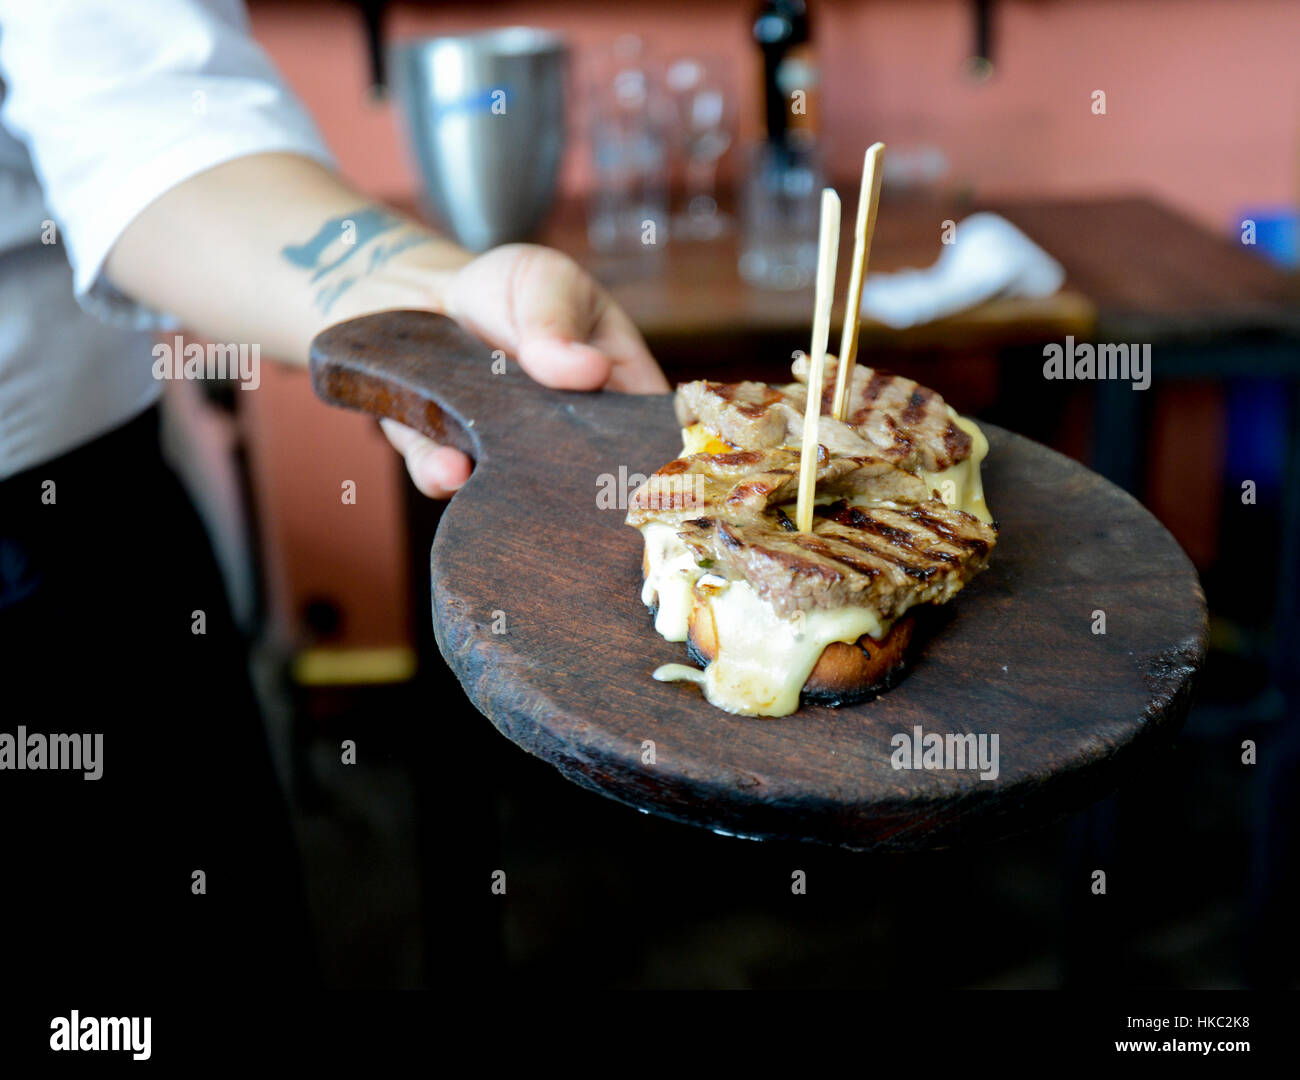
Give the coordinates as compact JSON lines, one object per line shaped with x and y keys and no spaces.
{"x":536,"y":608}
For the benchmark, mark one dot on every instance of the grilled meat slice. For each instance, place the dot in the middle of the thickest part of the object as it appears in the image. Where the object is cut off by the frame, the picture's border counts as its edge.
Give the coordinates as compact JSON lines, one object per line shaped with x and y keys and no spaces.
{"x":741,"y":413}
{"x":880,"y":557}
{"x":741,"y":486}
{"x":903,"y":421}
{"x":756,"y":416}
{"x":889,"y":416}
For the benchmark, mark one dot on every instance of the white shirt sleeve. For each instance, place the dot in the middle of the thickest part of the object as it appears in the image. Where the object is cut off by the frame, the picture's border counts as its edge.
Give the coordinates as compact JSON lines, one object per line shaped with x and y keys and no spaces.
{"x":120,"y":100}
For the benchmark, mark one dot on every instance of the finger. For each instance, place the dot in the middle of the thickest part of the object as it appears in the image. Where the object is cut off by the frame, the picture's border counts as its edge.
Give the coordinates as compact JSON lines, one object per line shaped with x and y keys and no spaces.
{"x":556,"y":307}
{"x":437,"y":471}
{"x":561,"y":325}
{"x":634,"y":370}
{"x":572,"y":336}
{"x":564,"y":365}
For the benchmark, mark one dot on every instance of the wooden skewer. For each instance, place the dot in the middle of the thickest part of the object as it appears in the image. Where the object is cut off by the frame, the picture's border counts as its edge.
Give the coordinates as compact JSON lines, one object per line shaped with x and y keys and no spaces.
{"x":864,"y":229}
{"x":828,"y":250}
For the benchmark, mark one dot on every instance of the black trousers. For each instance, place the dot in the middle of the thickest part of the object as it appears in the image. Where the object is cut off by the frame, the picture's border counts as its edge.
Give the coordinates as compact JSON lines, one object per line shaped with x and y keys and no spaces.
{"x":177,"y":867}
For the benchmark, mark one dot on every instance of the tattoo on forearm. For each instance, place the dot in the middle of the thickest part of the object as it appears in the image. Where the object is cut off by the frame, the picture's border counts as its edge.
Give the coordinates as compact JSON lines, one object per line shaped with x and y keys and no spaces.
{"x":325,"y":297}
{"x":380,"y":254}
{"x":338,"y":239}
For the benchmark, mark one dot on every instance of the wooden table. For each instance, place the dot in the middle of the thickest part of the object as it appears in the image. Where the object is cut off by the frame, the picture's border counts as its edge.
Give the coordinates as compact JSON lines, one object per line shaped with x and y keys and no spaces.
{"x":680,"y":290}
{"x":1135,"y":270}
{"x":1156,"y":275}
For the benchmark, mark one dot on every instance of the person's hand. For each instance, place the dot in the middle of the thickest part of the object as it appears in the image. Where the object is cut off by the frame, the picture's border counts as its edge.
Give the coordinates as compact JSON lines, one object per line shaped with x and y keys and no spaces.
{"x":547,"y":312}
{"x":272,"y":228}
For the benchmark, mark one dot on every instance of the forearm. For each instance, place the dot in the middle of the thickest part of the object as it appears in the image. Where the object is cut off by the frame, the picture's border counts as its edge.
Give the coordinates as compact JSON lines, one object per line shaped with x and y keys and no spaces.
{"x":270,"y":249}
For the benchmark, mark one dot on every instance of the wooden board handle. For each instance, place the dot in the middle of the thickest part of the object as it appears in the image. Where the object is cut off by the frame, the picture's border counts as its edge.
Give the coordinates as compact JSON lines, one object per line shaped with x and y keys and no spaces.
{"x":425,"y":371}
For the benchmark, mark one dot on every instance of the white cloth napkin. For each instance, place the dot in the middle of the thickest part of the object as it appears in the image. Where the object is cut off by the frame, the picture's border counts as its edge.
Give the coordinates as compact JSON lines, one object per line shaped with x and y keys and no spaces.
{"x":989,"y":257}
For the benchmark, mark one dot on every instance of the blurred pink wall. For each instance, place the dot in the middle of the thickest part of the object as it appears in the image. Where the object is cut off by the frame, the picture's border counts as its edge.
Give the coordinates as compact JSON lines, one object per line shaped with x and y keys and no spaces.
{"x":1203,"y":111}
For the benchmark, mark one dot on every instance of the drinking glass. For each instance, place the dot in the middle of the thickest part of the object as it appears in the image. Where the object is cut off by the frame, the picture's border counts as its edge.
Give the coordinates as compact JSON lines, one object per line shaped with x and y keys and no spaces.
{"x":780,"y":200}
{"x":627,"y":210}
{"x":701,"y":92}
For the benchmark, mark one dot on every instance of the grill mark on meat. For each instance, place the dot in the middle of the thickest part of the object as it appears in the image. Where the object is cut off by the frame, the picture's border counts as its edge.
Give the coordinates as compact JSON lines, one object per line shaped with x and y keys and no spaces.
{"x":819,"y":546}
{"x":728,"y":536}
{"x":875,"y":387}
{"x":951,"y":536}
{"x":853,"y":517}
{"x":843,"y":514}
{"x":917,"y":405}
{"x":748,"y":489}
{"x":741,"y":457}
{"x":828,"y":395}
{"x":920,"y":573}
{"x":902,"y":441}
{"x":784,"y":519}
{"x":700,"y":523}
{"x":677,"y":465}
{"x":791,"y":561}
{"x":675,"y":499}
{"x":905,"y":541}
{"x":727,"y":392}
{"x":948,"y":558}
{"x":956,"y":443}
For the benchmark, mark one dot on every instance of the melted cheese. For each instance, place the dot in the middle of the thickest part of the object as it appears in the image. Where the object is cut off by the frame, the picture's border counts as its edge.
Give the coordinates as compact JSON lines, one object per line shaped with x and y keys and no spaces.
{"x":762,"y":660}
{"x":697,"y":439}
{"x":669,"y":580}
{"x":961,"y":485}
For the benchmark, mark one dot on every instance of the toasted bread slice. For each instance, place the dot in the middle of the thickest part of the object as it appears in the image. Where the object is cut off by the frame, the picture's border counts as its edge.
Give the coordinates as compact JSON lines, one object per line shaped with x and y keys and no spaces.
{"x":844,"y":674}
